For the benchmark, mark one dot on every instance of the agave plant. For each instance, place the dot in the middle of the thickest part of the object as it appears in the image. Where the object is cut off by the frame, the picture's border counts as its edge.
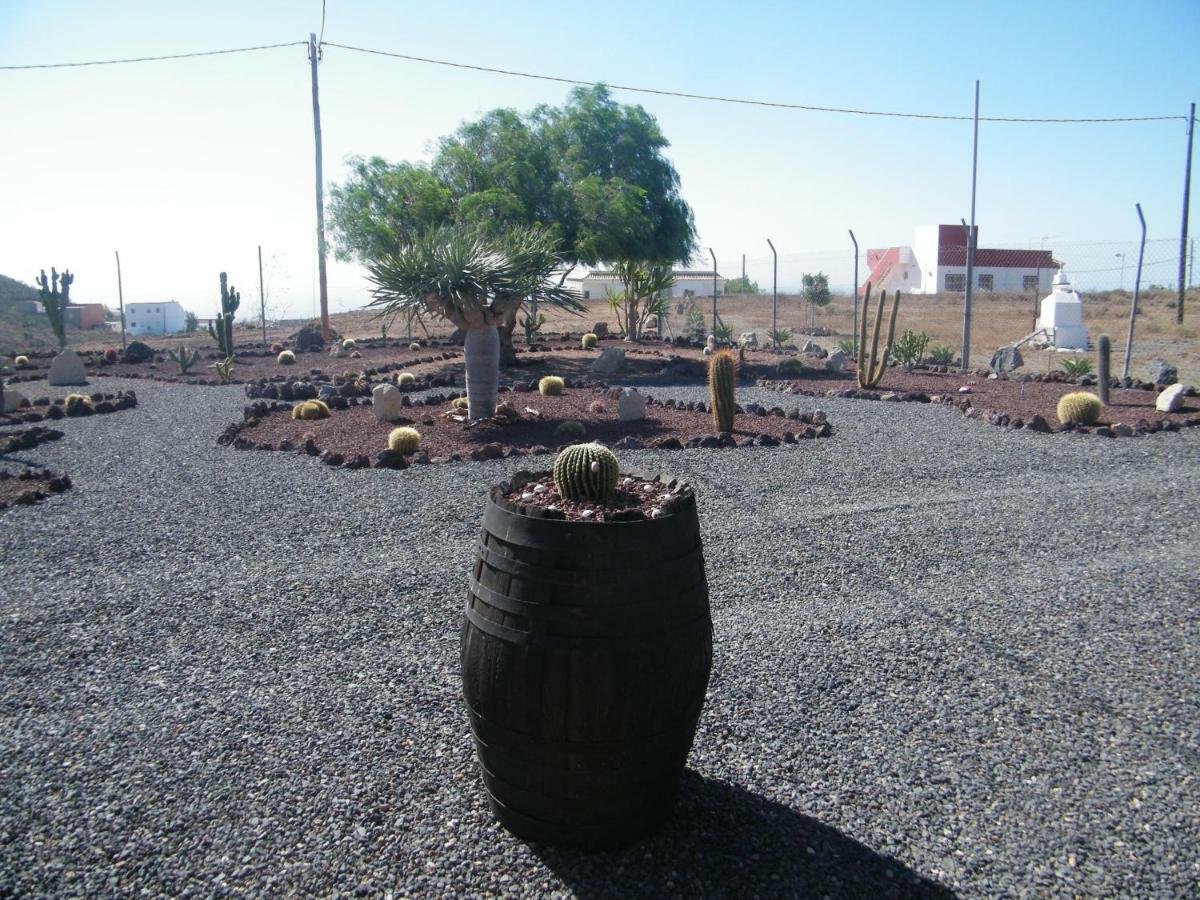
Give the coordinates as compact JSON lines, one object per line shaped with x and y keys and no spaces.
{"x":473,"y":281}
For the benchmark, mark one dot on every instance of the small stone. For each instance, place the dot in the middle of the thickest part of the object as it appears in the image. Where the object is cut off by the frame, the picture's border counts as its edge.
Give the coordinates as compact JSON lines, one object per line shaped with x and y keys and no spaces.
{"x":541,"y":488}
{"x":587,"y":514}
{"x":965,"y":389}
{"x":656,"y":513}
{"x":527,"y":496}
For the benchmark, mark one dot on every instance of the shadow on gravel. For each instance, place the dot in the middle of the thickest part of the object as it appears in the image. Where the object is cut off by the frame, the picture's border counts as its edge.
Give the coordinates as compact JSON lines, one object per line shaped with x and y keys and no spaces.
{"x":725,"y":841}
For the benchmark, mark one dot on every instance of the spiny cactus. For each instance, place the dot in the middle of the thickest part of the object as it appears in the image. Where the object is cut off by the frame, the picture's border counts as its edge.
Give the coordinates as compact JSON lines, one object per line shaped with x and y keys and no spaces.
{"x":722,"y":382}
{"x":184,"y":357}
{"x":404,"y":440}
{"x":1079,"y":408}
{"x":406,"y":378}
{"x":21,"y":362}
{"x":414,"y":346}
{"x":77,"y":405}
{"x":588,"y":341}
{"x":348,"y":344}
{"x":286,"y":358}
{"x":1103,"y":353}
{"x":585,"y":472}
{"x":871,"y":367}
{"x":460,"y":403}
{"x":310,"y":409}
{"x":224,"y":369}
{"x":223,"y":332}
{"x":569,"y":431}
{"x":551,"y":386}
{"x":532,"y":325}
{"x":55,"y":301}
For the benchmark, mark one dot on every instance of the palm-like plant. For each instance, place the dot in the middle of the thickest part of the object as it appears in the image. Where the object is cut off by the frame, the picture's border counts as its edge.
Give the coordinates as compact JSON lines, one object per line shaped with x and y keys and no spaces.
{"x":644,"y":296}
{"x":473,"y":281}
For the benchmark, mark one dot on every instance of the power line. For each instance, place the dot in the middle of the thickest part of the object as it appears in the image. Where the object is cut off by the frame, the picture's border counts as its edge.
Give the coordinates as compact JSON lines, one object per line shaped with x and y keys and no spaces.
{"x":321,"y":39}
{"x":746,"y":102}
{"x":139,"y":59}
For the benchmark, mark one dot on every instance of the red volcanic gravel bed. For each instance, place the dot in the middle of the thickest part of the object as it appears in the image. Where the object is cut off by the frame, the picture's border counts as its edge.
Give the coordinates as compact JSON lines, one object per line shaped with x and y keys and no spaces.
{"x":30,"y":487}
{"x":1008,"y":402}
{"x":635,"y":498}
{"x":353,"y":436}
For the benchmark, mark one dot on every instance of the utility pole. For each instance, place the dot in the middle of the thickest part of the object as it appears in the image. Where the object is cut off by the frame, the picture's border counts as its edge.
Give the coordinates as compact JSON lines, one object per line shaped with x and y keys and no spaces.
{"x":262,"y":296}
{"x":854,"y":330}
{"x":120,"y":298}
{"x":1183,"y":238}
{"x":743,"y":270}
{"x":313,"y":54}
{"x":966,"y":348}
{"x":774,"y":292}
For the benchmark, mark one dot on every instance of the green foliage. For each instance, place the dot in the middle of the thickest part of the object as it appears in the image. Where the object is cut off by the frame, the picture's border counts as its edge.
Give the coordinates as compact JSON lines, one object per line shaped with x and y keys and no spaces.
{"x":1079,"y":408}
{"x":406,"y":378}
{"x":741,"y":286}
{"x":54,"y":300}
{"x":870,"y":373}
{"x":722,"y":385}
{"x":815,"y":289}
{"x":310,"y":409}
{"x":190,"y":322}
{"x":910,"y":349}
{"x":780,"y":335}
{"x":222,"y":330}
{"x":224,"y":369}
{"x":551,"y":386}
{"x":184,"y":357}
{"x":382,"y":206}
{"x":694,"y":323}
{"x":460,"y":403}
{"x":846,"y":345}
{"x":941,"y":355}
{"x":1078,"y":366}
{"x":569,"y":431}
{"x":532,"y":325}
{"x":21,"y":362}
{"x":588,"y":341}
{"x":586,"y":472}
{"x":645,"y":295}
{"x":286,"y":358}
{"x":723,"y":333}
{"x":77,"y":405}
{"x":791,"y":367}
{"x":404,"y":440}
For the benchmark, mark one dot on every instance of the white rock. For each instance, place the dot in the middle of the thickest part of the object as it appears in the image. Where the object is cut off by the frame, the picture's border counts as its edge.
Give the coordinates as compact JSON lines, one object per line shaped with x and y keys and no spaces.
{"x":748,"y":339}
{"x":626,"y":482}
{"x":587,"y":514}
{"x":965,"y":389}
{"x":711,"y":344}
{"x":656,"y":513}
{"x":631,"y":406}
{"x":647,"y":488}
{"x":1171,"y":399}
{"x":836,"y":361}
{"x":539,"y":489}
{"x":527,"y":496}
{"x":11,"y":401}
{"x":67,"y":368}
{"x":385,"y":402}
{"x":610,"y":361}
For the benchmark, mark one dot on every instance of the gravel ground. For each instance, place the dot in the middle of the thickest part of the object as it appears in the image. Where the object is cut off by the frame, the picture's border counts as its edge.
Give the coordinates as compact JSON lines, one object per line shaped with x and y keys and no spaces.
{"x":949,"y":659}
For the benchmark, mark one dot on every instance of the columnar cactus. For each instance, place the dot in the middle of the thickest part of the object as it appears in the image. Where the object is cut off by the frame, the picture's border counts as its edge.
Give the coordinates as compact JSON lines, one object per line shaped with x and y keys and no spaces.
{"x":1079,"y":408}
{"x":311,"y":409}
{"x":871,"y":367}
{"x":722,"y":382}
{"x":551,"y":386}
{"x":223,"y":332}
{"x":585,"y":472}
{"x":184,"y":357}
{"x":1103,"y":353}
{"x":404,"y":440}
{"x":55,"y":301}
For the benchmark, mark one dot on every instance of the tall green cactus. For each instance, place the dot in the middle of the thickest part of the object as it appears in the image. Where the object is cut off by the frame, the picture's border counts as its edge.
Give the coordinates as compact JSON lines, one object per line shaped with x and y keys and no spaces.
{"x":1103,"y":352}
{"x":223,"y":333}
{"x":55,"y":301}
{"x":184,"y":357}
{"x":722,"y":382}
{"x":585,"y":472}
{"x":872,"y":367}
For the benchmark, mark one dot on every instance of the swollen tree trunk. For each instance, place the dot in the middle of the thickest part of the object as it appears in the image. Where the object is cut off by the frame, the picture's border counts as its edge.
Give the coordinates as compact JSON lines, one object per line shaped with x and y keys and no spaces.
{"x":481,"y":351}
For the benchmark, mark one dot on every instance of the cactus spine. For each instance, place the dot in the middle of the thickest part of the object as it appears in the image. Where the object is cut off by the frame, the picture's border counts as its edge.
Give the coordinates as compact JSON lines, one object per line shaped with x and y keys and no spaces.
{"x":1079,"y":408}
{"x":871,"y":369}
{"x":551,"y":386}
{"x":223,"y":332}
{"x":722,"y":379}
{"x":1103,"y":352}
{"x":311,"y":409}
{"x":404,"y":440}
{"x":585,"y":472}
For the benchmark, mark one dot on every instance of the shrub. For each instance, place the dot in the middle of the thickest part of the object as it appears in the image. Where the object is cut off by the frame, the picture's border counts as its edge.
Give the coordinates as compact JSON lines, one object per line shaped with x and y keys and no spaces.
{"x":566,"y":432}
{"x":910,"y":348}
{"x":1078,"y":366}
{"x":723,"y":333}
{"x":459,"y":403}
{"x":941,"y":355}
{"x":137,"y":352}
{"x":1079,"y":408}
{"x":588,"y":341}
{"x":286,"y":358}
{"x":551,"y":386}
{"x":585,"y":472}
{"x":791,"y":367}
{"x":348,"y":344}
{"x":780,"y":335}
{"x":111,"y":355}
{"x":414,"y":346}
{"x":404,"y":440}
{"x":77,"y":405}
{"x":21,"y":362}
{"x":846,"y":345}
{"x":311,"y":409}
{"x":406,"y":378}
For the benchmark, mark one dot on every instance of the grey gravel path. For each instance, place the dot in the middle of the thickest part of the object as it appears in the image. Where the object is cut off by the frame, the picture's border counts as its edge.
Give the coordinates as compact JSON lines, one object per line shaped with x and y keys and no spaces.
{"x":949,"y":659}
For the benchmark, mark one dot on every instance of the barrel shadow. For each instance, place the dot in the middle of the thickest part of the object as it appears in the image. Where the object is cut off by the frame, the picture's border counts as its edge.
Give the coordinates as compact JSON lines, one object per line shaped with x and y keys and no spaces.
{"x":725,"y":841}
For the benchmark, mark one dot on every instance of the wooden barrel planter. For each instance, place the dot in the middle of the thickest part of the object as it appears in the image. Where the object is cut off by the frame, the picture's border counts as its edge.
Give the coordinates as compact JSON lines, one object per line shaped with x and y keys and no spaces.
{"x":586,"y":652}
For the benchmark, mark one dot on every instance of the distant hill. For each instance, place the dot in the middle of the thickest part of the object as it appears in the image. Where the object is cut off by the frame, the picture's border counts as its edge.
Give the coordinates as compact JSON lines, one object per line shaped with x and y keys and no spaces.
{"x":12,"y":290}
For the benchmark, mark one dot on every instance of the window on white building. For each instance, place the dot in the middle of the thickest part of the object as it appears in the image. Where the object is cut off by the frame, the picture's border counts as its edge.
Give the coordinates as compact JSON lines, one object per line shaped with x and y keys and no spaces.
{"x":956,"y":282}
{"x":1030,"y":283}
{"x":986,"y":282}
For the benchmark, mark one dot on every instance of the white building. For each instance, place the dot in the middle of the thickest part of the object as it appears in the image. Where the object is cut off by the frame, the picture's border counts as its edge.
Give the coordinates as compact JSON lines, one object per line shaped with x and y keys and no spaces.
{"x":936,"y":263}
{"x":688,"y":283}
{"x":158,"y":317}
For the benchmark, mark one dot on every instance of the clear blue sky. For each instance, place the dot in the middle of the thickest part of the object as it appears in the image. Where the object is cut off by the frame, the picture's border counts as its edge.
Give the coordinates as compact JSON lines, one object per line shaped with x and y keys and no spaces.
{"x":186,"y":166}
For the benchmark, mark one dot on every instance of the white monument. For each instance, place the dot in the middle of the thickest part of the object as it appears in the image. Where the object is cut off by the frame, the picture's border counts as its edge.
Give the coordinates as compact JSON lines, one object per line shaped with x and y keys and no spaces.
{"x":1062,"y":316}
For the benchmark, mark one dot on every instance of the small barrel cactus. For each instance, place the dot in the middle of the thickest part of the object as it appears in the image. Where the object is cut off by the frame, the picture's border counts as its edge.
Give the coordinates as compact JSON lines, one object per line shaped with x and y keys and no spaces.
{"x":551,"y":386}
{"x":404,"y":440}
{"x":406,"y":378}
{"x":585,"y":472}
{"x":722,"y":382}
{"x":459,"y":403}
{"x":286,"y":358}
{"x":589,"y":341}
{"x":310,"y":409}
{"x":21,"y":362}
{"x":569,"y":431}
{"x":414,"y":346}
{"x":77,"y":405}
{"x":348,"y":344}
{"x":1079,"y":408}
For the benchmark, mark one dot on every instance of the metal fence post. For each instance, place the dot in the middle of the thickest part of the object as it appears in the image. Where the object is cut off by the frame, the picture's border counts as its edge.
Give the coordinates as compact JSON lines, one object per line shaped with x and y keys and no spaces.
{"x":1137,"y":288}
{"x":854,"y":329}
{"x":966,"y":349}
{"x":774,"y":295}
{"x":714,"y":314}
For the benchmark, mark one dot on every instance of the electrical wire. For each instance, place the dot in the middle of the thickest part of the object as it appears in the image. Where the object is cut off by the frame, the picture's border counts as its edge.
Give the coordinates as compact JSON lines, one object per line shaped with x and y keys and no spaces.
{"x":321,"y":39}
{"x":139,"y":59}
{"x":746,"y":102}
